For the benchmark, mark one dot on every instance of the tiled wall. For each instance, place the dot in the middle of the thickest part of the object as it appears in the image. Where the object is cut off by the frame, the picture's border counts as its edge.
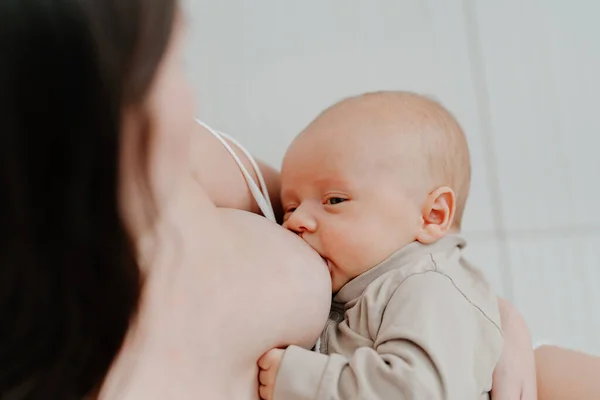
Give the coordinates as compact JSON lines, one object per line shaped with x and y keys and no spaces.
{"x":523,"y":78}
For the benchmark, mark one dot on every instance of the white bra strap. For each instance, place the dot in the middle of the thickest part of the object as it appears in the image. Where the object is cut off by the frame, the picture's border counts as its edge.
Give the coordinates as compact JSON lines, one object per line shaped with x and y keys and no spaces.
{"x":261,"y":195}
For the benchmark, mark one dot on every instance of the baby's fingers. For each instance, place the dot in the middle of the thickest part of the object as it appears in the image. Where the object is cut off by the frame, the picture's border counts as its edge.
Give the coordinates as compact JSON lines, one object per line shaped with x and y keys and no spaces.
{"x":266,"y":377}
{"x":265,"y":392}
{"x":270,"y":358}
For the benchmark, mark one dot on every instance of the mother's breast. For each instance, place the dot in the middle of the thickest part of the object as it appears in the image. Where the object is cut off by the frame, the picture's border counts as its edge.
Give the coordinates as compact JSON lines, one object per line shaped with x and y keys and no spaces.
{"x":284,"y":284}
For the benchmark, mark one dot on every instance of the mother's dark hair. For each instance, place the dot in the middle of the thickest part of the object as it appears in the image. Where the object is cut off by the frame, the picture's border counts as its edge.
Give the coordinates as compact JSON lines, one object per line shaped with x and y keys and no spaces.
{"x":69,"y":278}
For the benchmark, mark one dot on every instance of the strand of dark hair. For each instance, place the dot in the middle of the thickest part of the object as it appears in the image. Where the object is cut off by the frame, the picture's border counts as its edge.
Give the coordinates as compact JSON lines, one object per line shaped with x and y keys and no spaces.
{"x":69,"y":278}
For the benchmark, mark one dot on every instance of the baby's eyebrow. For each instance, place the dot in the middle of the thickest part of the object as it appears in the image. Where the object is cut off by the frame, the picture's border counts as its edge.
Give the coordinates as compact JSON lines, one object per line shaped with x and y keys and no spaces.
{"x":337,"y":183}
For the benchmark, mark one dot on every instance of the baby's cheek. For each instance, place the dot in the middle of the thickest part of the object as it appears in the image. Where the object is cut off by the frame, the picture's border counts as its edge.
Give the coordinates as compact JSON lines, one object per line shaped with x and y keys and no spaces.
{"x":342,"y":246}
{"x":360,"y":246}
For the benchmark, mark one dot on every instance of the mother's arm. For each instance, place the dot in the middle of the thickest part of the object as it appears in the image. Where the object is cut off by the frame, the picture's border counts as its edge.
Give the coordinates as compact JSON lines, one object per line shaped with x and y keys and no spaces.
{"x":566,"y":374}
{"x":219,"y":175}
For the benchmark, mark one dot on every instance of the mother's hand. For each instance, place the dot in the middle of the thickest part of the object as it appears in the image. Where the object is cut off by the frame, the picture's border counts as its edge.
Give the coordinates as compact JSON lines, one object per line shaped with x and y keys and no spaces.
{"x":514,"y":376}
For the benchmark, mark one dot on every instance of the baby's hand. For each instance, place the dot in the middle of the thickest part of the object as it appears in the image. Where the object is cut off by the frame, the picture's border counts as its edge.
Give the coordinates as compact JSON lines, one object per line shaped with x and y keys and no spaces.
{"x":268,"y":367}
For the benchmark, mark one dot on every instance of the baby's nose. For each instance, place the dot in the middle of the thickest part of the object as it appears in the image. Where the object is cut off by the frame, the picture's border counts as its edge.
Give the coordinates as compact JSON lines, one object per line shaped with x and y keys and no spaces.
{"x":301,"y":222}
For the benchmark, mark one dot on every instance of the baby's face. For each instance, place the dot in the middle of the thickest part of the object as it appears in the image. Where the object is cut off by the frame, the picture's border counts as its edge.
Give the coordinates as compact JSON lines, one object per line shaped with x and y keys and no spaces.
{"x":351,"y":211}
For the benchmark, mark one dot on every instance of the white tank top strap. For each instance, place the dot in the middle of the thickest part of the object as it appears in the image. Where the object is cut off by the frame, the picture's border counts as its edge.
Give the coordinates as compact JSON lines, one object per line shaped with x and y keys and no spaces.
{"x":261,"y":195}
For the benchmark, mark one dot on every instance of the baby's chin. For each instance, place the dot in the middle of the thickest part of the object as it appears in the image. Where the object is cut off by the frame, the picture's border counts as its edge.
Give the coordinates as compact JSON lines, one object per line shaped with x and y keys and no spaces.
{"x":336,"y":287}
{"x":336,"y":282}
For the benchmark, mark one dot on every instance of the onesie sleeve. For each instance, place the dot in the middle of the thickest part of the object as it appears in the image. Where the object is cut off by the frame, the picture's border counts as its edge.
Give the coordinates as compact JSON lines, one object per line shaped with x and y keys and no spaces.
{"x":432,"y":343}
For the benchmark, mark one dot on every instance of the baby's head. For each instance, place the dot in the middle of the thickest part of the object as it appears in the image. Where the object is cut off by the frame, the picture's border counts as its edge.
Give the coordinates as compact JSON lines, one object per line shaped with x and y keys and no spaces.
{"x":372,"y":174}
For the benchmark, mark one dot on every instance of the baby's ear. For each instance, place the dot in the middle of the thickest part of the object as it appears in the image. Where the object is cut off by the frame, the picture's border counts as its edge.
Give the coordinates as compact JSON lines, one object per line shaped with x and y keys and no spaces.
{"x":437,"y":215}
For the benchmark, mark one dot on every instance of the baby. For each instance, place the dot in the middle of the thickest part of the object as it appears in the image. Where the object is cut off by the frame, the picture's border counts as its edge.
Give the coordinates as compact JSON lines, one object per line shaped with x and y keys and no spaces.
{"x":377,"y":184}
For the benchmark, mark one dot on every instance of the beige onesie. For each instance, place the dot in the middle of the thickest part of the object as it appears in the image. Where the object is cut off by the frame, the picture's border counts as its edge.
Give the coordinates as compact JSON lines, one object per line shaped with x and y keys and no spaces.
{"x":423,"y":324}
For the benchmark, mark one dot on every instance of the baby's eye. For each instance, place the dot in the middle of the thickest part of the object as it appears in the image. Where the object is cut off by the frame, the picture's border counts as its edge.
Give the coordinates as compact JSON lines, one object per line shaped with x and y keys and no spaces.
{"x":335,"y":200}
{"x":288,"y":212}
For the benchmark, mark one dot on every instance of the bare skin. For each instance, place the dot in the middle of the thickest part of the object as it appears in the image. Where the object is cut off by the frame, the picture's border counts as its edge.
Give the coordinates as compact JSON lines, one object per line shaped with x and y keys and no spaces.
{"x":516,"y":364}
{"x":222,"y":362}
{"x":378,"y":163}
{"x":212,"y":282}
{"x":223,"y":286}
{"x":566,"y":374}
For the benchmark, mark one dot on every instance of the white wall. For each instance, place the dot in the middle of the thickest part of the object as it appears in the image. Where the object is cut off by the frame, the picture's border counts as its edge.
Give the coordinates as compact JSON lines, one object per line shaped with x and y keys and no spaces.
{"x":520,"y":75}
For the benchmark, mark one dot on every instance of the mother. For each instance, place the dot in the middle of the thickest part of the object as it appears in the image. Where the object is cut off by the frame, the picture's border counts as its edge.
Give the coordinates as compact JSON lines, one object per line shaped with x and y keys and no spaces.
{"x":121,"y":274}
